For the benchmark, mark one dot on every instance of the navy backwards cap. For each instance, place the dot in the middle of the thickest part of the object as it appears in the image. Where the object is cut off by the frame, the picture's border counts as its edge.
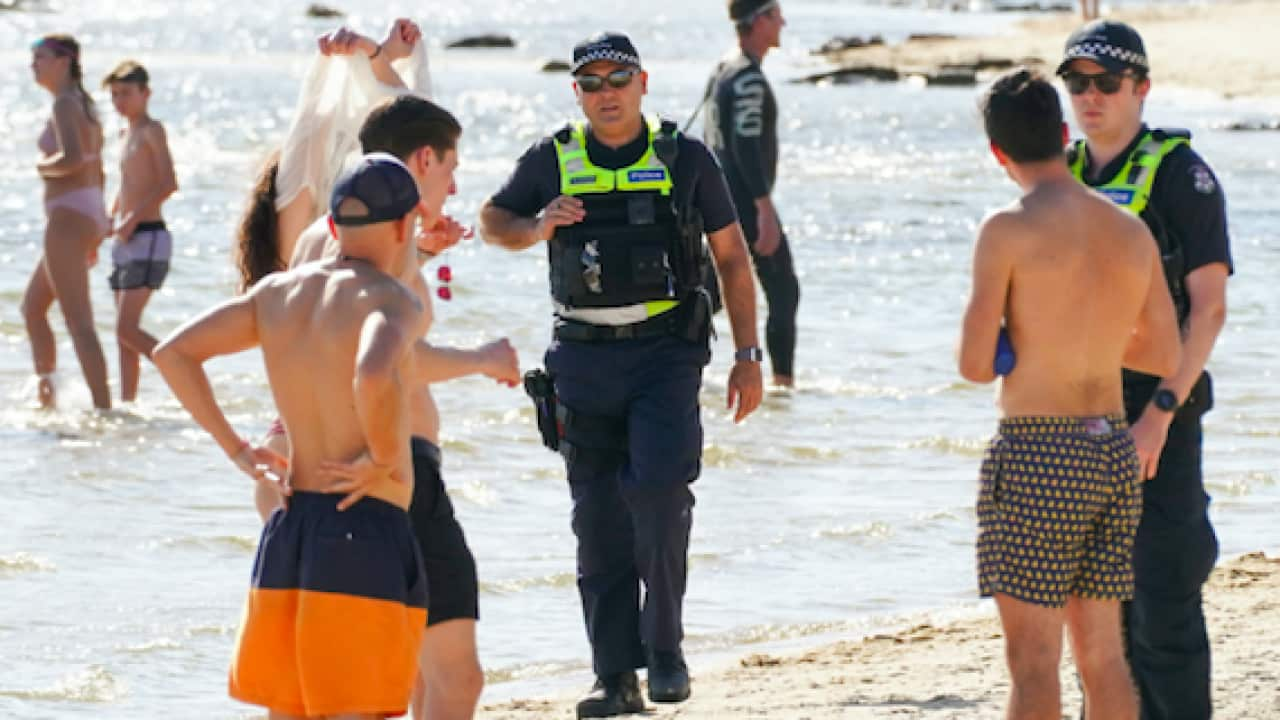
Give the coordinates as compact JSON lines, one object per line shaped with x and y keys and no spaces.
{"x":1113,"y":45}
{"x":744,"y":11}
{"x":611,"y":46}
{"x":382,"y":184}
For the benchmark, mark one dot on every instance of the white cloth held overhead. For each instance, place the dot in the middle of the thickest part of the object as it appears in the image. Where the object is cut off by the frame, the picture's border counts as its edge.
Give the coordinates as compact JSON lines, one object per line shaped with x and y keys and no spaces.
{"x":337,"y":94}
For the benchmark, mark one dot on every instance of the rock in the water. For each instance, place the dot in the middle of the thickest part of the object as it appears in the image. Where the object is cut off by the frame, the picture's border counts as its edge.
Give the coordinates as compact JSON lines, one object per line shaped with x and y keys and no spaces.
{"x":316,"y":10}
{"x":844,"y":75}
{"x":929,"y":37}
{"x":984,"y":63}
{"x":952,"y":76}
{"x":483,"y":41}
{"x":847,"y":42}
{"x":1253,"y":126}
{"x":1046,"y":6}
{"x":555,"y":66}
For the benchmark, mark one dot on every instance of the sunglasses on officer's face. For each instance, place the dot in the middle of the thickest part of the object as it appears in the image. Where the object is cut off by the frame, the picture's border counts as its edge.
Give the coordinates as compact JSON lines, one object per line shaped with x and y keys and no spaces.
{"x":617,"y":79}
{"x":1107,"y":83}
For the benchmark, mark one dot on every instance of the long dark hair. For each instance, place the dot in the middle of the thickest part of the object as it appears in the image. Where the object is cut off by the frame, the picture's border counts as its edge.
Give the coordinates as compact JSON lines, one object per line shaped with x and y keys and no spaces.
{"x":64,"y":45}
{"x":257,"y":246}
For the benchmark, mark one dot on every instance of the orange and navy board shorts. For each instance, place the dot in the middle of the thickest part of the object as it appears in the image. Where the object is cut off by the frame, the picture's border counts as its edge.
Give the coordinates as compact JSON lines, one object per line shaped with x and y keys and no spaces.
{"x":1058,"y":509}
{"x":336,"y":612}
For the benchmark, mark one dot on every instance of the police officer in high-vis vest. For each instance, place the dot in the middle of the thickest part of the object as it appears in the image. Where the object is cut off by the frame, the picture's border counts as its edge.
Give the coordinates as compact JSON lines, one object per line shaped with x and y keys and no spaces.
{"x":1155,"y":174}
{"x":622,"y":203}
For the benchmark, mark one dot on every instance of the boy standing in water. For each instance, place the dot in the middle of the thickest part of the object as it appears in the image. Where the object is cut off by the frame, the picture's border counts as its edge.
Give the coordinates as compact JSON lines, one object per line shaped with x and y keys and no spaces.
{"x":143,"y":246}
{"x":1080,"y":286}
{"x":337,"y":606}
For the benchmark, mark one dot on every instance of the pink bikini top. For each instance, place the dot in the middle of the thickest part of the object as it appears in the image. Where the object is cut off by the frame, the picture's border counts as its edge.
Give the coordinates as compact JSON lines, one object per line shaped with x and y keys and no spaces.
{"x":48,"y":142}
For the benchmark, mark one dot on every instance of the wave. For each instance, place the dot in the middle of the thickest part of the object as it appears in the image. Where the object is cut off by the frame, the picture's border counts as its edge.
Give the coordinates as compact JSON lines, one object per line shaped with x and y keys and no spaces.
{"x":806,"y":452}
{"x":722,"y":456}
{"x":220,"y":630}
{"x":517,"y":585}
{"x":19,"y":563}
{"x":94,"y":684}
{"x":237,"y":543}
{"x":1240,"y":484}
{"x":474,"y":491}
{"x":844,"y":388}
{"x":532,"y":670}
{"x":873,"y":531}
{"x":766,"y":633}
{"x":935,"y":517}
{"x":157,"y":645}
{"x":968,"y":447}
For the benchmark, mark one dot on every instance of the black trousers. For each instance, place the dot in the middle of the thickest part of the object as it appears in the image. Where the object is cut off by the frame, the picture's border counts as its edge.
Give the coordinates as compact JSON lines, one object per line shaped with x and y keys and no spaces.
{"x":632,"y":506}
{"x":1176,"y":548}
{"x":777,"y":275}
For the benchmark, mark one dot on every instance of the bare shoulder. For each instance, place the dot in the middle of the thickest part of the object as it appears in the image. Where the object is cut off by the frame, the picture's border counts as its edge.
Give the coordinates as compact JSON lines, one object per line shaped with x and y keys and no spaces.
{"x":67,"y":103}
{"x":154,"y":132}
{"x":280,"y":281}
{"x":418,"y":286}
{"x":314,"y":243}
{"x":67,"y":109}
{"x":1000,"y":230}
{"x":1124,"y":225}
{"x":401,"y":299}
{"x":373,"y":290}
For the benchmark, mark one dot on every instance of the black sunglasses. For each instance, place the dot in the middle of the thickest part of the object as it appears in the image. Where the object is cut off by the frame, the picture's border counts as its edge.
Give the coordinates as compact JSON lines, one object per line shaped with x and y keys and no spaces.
{"x":617,"y":79}
{"x":1106,"y":82}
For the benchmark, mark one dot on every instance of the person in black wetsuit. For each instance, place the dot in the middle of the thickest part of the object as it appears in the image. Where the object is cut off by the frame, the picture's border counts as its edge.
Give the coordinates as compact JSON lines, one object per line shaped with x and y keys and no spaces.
{"x":742,"y":128}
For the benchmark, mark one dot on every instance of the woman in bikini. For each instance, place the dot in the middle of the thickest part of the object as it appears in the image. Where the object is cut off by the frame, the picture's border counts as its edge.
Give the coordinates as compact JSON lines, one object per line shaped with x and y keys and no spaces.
{"x":71,"y":168}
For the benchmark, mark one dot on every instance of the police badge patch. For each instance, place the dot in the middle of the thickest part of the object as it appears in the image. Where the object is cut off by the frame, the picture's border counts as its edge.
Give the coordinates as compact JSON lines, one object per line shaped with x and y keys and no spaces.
{"x":1203,"y":180}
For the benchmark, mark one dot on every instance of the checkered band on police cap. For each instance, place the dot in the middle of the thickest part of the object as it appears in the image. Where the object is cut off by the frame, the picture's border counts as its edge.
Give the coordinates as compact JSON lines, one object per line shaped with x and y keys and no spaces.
{"x":610,"y":46}
{"x":1113,"y":45}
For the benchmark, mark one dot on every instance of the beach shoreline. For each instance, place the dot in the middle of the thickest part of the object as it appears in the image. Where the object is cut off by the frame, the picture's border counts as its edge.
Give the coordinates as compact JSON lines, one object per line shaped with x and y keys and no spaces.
{"x":1236,"y":32}
{"x":955,"y":669}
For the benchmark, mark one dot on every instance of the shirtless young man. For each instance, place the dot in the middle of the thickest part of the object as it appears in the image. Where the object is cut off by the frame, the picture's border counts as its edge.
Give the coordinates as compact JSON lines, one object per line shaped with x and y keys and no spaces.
{"x":143,"y":245}
{"x":425,"y":137}
{"x":1080,"y":287}
{"x":335,"y":614}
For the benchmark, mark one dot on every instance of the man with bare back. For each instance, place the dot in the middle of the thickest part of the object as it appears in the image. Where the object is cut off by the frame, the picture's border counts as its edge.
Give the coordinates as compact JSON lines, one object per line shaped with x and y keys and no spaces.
{"x":143,"y":245}
{"x":337,"y":605}
{"x":424,"y":136}
{"x":1079,"y":286}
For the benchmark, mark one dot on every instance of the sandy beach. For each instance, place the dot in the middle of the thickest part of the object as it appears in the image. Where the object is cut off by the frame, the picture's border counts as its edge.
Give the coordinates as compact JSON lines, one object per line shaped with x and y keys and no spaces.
{"x":956,"y":670}
{"x":1221,"y":47}
{"x":831,"y":569}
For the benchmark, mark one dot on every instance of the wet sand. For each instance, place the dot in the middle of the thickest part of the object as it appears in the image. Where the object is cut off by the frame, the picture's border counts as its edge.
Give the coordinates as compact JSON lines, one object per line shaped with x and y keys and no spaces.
{"x":956,"y":670}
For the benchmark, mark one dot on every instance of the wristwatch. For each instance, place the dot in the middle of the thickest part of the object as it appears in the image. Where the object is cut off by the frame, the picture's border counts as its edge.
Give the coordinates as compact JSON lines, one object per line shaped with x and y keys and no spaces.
{"x":1165,"y":400}
{"x":749,"y":354}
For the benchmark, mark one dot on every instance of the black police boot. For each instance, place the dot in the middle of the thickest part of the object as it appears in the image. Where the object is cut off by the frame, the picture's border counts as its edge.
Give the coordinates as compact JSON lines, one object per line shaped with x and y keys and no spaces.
{"x":612,"y":695}
{"x":668,"y":677}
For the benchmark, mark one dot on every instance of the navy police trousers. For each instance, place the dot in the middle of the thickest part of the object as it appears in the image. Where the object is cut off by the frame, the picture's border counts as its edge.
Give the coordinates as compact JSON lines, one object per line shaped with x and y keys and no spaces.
{"x":635,"y":442}
{"x":1166,"y":638}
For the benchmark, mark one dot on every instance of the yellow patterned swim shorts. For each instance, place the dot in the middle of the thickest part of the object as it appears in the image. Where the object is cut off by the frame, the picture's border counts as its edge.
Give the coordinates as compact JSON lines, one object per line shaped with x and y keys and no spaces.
{"x":1058,"y":508}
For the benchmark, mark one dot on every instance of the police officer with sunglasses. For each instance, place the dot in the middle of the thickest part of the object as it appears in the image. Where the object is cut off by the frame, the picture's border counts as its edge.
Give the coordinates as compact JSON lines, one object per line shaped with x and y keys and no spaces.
{"x":622,"y":203}
{"x":1156,"y":175}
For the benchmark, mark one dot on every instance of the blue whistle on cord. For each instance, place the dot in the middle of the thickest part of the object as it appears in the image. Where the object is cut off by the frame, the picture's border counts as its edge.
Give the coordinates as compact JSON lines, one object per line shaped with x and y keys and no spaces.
{"x":1005,"y":358}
